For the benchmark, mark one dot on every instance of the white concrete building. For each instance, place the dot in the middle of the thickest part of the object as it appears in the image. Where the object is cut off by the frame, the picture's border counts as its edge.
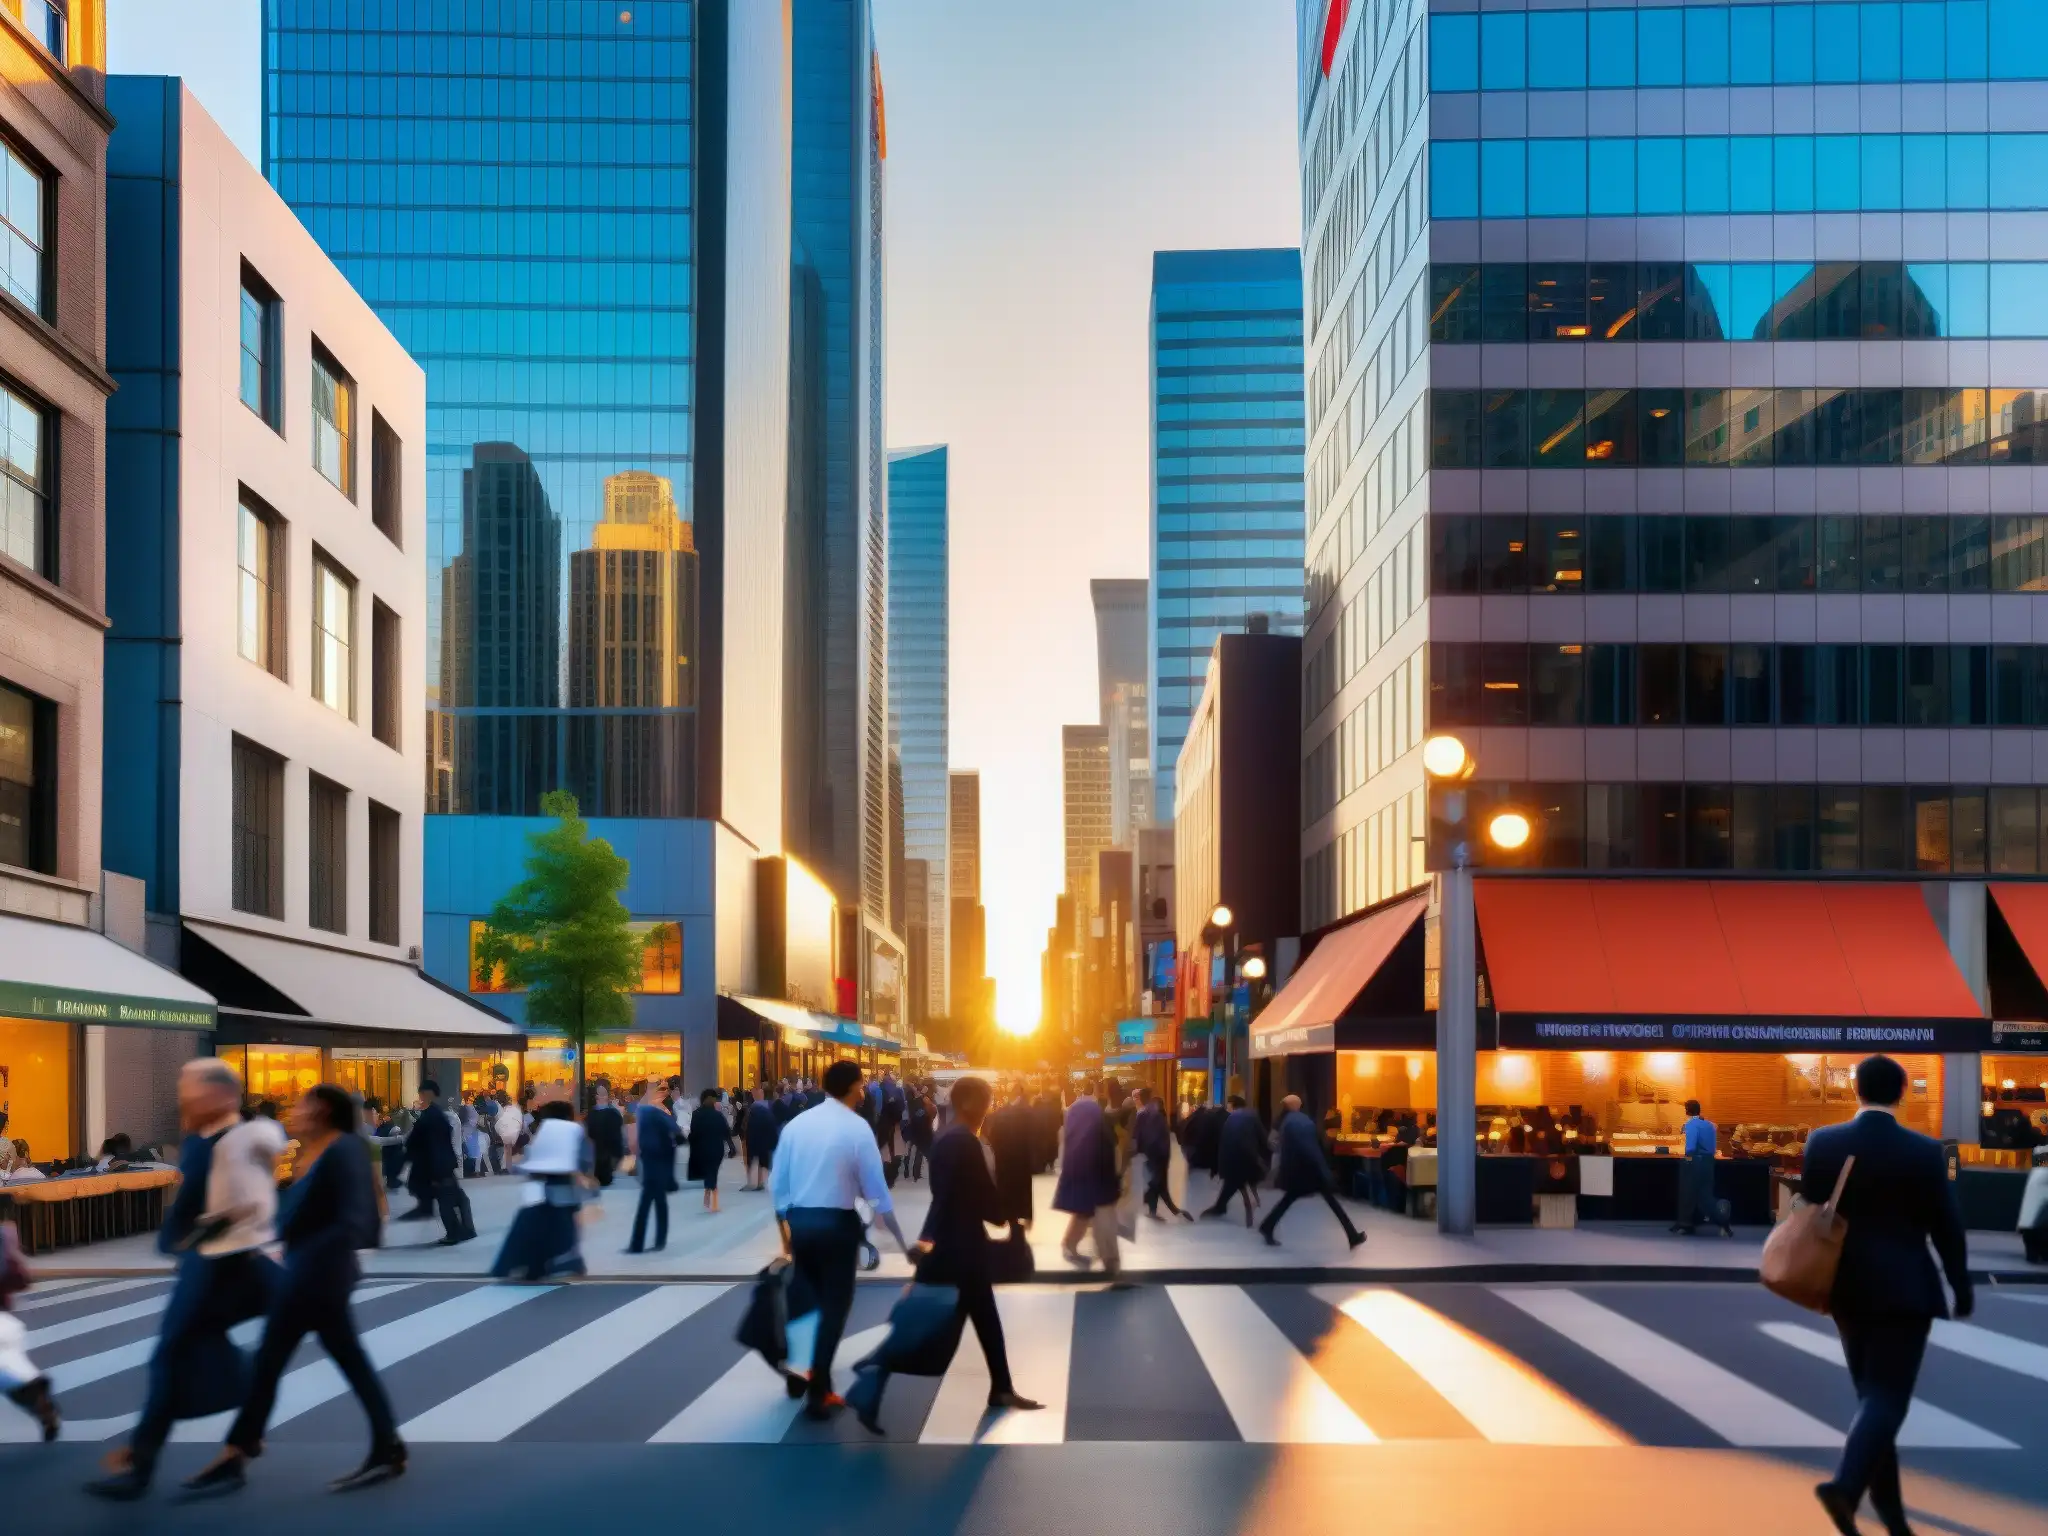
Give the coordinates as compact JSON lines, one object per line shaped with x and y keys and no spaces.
{"x":267,"y":575}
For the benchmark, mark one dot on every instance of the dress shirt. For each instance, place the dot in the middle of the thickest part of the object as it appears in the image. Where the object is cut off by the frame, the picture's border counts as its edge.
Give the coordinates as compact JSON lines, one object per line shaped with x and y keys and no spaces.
{"x":827,"y":1159}
{"x":1699,"y":1137}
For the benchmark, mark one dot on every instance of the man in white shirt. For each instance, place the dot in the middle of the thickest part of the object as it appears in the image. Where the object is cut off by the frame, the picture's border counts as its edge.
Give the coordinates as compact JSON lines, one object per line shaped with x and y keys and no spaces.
{"x":824,"y":1163}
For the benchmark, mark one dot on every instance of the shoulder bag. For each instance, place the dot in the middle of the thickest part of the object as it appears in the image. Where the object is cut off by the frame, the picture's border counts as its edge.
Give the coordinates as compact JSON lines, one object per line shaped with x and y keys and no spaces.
{"x":1804,"y":1251}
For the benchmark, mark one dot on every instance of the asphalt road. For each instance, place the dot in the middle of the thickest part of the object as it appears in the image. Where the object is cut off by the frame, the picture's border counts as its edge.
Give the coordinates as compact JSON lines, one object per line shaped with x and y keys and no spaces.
{"x":1584,"y":1409}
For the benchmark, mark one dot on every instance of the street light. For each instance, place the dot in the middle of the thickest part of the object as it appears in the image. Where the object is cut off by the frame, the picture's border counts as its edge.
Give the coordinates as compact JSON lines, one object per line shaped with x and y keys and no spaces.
{"x":1445,"y":757}
{"x":1222,"y":918}
{"x":1254,"y":968}
{"x":1508,"y":830}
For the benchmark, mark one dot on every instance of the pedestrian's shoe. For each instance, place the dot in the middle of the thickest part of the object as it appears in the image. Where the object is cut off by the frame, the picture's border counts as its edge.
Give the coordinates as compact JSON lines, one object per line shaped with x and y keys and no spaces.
{"x":453,"y":1242}
{"x":1016,"y":1400}
{"x":1186,"y":1215}
{"x":1271,"y":1240}
{"x":1727,"y":1230}
{"x":424,"y":1213}
{"x":1212,"y":1213}
{"x":39,"y":1403}
{"x":795,"y":1383}
{"x":1077,"y":1258}
{"x":123,"y":1487}
{"x":1839,"y":1506}
{"x":1893,"y":1520}
{"x":1356,"y":1238}
{"x":1679,"y":1226}
{"x":822,"y":1408}
{"x":385,"y":1462}
{"x":225,"y":1473}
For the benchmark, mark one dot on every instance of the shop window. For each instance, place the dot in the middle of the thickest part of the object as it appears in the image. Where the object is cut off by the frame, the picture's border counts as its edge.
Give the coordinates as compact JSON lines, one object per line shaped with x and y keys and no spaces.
{"x":1885,"y":827}
{"x":28,"y":781}
{"x":1792,"y":827}
{"x":661,"y":958}
{"x":1709,"y":826}
{"x":1838,"y":824}
{"x":258,"y":830}
{"x":1660,"y":824}
{"x":1611,"y":826}
{"x":36,"y":1085}
{"x":326,"y":854}
{"x":275,"y":1076}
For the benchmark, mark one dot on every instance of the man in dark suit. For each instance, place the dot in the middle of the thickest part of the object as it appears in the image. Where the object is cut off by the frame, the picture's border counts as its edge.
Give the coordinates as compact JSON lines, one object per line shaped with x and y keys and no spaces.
{"x":606,"y":1128}
{"x":1152,"y":1139}
{"x":1887,"y":1293}
{"x":955,"y":1245}
{"x":657,"y":1132}
{"x":1013,"y":1134}
{"x":1240,"y":1159}
{"x":1303,"y":1171}
{"x":430,"y":1148}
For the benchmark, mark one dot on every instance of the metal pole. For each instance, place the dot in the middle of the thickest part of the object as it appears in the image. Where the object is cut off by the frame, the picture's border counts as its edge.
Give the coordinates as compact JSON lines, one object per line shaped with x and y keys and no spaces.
{"x":1457,"y":1031}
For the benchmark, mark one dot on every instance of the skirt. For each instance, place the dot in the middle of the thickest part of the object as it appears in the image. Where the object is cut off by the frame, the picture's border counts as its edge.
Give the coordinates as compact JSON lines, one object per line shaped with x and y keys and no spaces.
{"x":542,"y":1243}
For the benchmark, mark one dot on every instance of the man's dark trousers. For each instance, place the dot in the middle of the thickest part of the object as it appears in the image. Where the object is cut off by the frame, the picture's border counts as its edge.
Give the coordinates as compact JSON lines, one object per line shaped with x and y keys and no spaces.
{"x":208,"y":1294}
{"x":1884,"y":1356}
{"x":1343,"y":1216}
{"x":452,"y":1200}
{"x":655,"y":1200}
{"x":824,"y":1244}
{"x":978,"y":1305}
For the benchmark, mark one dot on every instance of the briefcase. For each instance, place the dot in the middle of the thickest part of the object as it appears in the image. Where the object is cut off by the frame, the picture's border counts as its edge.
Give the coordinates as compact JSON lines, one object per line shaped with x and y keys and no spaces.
{"x":780,"y":1293}
{"x":924,"y":1332}
{"x":1804,"y":1251}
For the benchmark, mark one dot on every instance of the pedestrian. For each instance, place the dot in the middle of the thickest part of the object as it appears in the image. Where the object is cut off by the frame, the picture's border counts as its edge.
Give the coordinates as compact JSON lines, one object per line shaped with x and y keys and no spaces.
{"x":389,"y":1140}
{"x":1696,"y":1201}
{"x":431,"y":1147}
{"x":26,"y":1387}
{"x":710,"y":1139}
{"x":509,"y":1124}
{"x":917,"y":1131}
{"x":761,"y":1129}
{"x":326,"y":1215}
{"x":1088,"y":1185}
{"x":216,"y":1229}
{"x":473,"y":1143}
{"x":826,"y":1161}
{"x":1896,"y":1199}
{"x":1045,"y":1126}
{"x":1013,"y":1134}
{"x":1303,"y":1171}
{"x":656,"y":1134}
{"x":953,"y":1249}
{"x":1240,"y":1159}
{"x":606,"y":1128}
{"x":1153,"y":1140}
{"x":542,"y":1241}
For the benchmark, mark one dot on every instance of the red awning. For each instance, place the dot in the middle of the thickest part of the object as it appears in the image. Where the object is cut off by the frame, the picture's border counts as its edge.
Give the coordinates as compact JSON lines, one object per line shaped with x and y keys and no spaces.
{"x":1729,"y":948}
{"x":1303,"y":1015}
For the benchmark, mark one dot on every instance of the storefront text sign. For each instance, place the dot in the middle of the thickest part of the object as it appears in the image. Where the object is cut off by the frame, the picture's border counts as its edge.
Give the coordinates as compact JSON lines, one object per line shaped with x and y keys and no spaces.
{"x":32,"y":1002}
{"x":2019,"y":1037}
{"x":1907,"y":1035}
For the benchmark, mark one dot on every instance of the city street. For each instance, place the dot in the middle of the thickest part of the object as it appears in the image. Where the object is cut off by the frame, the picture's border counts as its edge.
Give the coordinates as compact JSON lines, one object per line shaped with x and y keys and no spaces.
{"x":1204,"y":1407}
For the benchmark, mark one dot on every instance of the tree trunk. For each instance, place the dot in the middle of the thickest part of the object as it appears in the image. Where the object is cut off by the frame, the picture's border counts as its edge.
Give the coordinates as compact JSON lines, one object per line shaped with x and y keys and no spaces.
{"x":582,"y":1049}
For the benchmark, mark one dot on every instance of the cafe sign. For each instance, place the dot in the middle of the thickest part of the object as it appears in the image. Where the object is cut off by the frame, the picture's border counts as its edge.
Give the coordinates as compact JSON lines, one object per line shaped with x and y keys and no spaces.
{"x":23,"y":1000}
{"x":2019,"y":1037}
{"x":1844,"y":1035}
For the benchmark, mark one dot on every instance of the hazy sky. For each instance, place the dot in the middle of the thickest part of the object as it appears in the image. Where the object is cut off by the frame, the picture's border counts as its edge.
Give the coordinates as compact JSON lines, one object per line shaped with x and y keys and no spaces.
{"x":1038,"y":154}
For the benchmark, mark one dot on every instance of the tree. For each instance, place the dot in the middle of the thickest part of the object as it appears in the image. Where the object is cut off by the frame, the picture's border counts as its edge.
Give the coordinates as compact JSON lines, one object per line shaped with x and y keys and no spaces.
{"x":563,"y":936}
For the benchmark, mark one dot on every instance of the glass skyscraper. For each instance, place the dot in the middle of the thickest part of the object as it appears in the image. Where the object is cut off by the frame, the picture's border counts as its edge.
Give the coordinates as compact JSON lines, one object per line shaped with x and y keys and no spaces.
{"x":514,"y":185}
{"x":918,"y":656}
{"x":1227,"y":440}
{"x":1677,"y":394}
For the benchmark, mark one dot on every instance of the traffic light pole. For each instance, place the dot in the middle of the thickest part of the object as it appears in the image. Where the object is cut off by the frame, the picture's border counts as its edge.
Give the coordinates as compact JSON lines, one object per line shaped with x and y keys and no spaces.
{"x":1457,"y":1039}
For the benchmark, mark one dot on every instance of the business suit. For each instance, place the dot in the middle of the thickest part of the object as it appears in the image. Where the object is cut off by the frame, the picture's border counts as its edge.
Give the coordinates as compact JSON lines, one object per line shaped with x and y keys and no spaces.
{"x":329,"y":1213}
{"x":1240,"y":1161}
{"x":606,"y":1128}
{"x":1887,"y":1292}
{"x":1303,"y":1171}
{"x":430,"y":1147}
{"x":964,"y":1202}
{"x":658,"y":1134}
{"x":1013,"y":1133}
{"x":1152,"y":1140}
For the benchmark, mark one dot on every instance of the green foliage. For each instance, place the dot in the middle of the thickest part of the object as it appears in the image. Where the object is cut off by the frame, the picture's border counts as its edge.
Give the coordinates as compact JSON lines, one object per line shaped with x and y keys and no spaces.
{"x":563,"y":935}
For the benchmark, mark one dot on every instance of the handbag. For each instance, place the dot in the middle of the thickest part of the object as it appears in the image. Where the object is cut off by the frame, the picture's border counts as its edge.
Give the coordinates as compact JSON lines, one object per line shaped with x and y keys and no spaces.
{"x":924,"y":1332}
{"x":1804,"y":1251}
{"x":1010,"y":1261}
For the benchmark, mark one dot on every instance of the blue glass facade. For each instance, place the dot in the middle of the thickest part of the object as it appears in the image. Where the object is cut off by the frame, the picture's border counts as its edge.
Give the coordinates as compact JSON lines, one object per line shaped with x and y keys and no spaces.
{"x":1227,"y":438}
{"x":918,"y":661}
{"x":512,"y":185}
{"x":1591,"y":288}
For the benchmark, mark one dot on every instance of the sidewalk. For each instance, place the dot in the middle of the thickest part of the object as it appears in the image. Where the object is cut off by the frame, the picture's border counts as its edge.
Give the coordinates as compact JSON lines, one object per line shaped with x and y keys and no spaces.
{"x":738,"y":1241}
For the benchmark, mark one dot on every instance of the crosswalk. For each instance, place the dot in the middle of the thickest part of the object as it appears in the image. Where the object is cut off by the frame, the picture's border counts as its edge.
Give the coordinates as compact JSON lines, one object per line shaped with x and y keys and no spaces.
{"x":1354,"y":1364}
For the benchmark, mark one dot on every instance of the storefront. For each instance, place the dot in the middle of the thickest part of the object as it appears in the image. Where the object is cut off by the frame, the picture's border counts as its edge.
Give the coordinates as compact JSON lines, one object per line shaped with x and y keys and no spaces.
{"x":1607,"y":1004}
{"x":620,"y":1060}
{"x":761,"y":1040}
{"x":293,"y":1014}
{"x":58,"y":983}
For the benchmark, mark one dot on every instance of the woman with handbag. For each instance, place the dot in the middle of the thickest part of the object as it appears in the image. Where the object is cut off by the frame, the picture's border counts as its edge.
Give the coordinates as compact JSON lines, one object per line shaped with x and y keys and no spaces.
{"x":542,"y":1242}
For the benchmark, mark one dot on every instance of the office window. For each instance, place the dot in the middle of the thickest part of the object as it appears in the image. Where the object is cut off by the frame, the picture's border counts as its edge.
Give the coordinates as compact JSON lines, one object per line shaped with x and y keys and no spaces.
{"x":1660,"y":684}
{"x":334,"y":633}
{"x":1749,"y":684}
{"x":334,"y":411}
{"x":261,"y":384}
{"x":384,"y":861}
{"x":1557,"y":684}
{"x":1610,"y":686}
{"x":28,"y":781}
{"x":1792,"y":829}
{"x":24,"y":217}
{"x":387,"y":480}
{"x":326,"y":854}
{"x":49,"y":21}
{"x":258,"y":851}
{"x":387,"y":673}
{"x":260,"y":585}
{"x":27,"y":526}
{"x":1838,"y":826}
{"x":1884,"y":827}
{"x":1706,"y":685}
{"x":2014,"y":831}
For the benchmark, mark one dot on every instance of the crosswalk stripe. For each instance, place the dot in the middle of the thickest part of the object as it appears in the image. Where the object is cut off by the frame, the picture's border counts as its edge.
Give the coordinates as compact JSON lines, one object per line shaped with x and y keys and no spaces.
{"x":309,"y":1386}
{"x":91,"y":1368}
{"x":748,"y":1404}
{"x":36,"y":1299}
{"x":502,"y":1404}
{"x":1038,"y":1332}
{"x":1274,"y":1395}
{"x":93,"y":1322}
{"x":1992,"y":1348}
{"x":1926,"y":1428}
{"x":1502,"y":1398}
{"x":1736,"y":1410}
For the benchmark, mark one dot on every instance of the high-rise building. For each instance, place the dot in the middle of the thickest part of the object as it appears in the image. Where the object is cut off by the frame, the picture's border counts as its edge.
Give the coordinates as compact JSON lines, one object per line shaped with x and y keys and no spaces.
{"x":967,"y":930}
{"x":918,"y":651}
{"x":265,"y":689}
{"x":1084,"y":809}
{"x":587,"y":247}
{"x":1121,"y":626}
{"x":1227,"y":440}
{"x":835,"y":257}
